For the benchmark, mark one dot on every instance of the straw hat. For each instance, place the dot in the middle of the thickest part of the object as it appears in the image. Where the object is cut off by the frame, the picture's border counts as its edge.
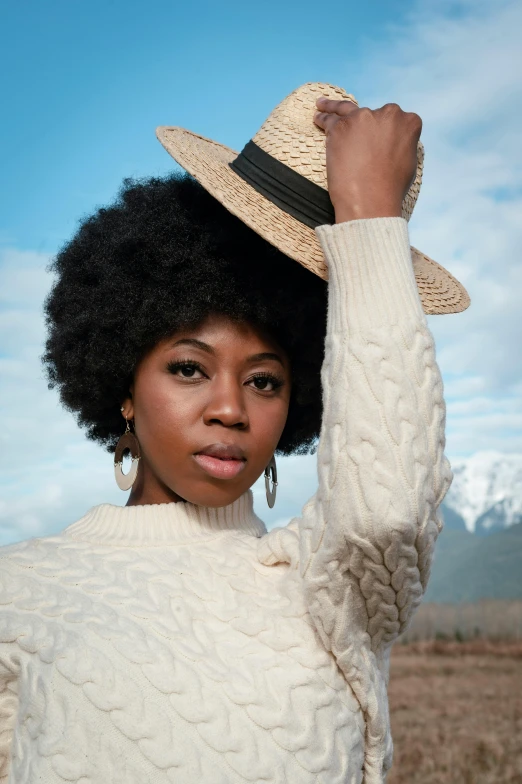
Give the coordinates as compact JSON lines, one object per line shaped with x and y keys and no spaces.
{"x":278,"y":187}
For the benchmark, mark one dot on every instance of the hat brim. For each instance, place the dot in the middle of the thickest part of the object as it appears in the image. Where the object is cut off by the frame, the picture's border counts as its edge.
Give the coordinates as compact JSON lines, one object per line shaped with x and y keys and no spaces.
{"x":208,"y":162}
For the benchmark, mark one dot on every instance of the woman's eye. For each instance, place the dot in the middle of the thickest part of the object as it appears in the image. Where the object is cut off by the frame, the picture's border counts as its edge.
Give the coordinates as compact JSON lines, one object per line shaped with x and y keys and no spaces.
{"x":185,"y":370}
{"x":266,"y":383}
{"x":188,"y":371}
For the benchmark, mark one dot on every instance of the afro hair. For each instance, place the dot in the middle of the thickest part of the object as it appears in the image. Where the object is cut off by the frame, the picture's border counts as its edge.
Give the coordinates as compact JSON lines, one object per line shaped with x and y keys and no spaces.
{"x":164,"y":256}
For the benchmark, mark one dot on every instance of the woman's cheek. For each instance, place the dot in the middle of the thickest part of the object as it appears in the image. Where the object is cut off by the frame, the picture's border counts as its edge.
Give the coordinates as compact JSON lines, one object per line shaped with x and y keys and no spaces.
{"x":160,"y":412}
{"x":269,"y":421}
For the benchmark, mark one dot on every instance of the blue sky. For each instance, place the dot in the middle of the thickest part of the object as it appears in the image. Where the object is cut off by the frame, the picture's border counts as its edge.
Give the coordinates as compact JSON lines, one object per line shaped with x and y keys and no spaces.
{"x":85,"y":85}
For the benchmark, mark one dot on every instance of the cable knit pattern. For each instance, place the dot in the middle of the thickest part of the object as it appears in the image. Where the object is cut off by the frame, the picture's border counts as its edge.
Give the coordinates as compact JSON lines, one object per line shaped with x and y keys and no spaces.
{"x":175,"y":643}
{"x":364,"y":543}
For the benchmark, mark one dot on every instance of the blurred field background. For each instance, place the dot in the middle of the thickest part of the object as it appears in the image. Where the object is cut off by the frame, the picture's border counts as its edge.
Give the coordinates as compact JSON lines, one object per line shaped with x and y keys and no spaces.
{"x":456,"y":695}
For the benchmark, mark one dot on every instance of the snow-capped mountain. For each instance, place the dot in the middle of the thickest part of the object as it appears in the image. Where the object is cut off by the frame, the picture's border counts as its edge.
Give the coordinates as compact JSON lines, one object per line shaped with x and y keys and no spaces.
{"x":486,"y":493}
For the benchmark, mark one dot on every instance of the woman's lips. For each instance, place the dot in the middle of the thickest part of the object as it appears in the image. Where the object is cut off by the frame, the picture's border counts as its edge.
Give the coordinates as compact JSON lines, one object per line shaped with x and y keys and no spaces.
{"x":221,"y":468}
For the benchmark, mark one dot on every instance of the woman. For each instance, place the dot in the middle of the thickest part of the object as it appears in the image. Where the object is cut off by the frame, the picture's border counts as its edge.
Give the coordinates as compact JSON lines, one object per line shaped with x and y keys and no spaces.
{"x":174,"y":639}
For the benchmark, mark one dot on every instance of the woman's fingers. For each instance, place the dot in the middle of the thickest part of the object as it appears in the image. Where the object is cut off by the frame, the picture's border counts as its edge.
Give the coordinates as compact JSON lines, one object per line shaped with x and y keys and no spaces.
{"x":342,"y":108}
{"x":331,"y":111}
{"x":325,"y":121}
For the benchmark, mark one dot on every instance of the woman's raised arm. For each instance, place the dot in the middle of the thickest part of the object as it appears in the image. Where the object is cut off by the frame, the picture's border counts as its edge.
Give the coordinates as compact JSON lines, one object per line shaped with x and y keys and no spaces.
{"x":364,"y":543}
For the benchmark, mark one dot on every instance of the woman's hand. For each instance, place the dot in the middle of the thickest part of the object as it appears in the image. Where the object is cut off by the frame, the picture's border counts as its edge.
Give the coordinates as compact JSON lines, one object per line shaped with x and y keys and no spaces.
{"x":371,"y":157}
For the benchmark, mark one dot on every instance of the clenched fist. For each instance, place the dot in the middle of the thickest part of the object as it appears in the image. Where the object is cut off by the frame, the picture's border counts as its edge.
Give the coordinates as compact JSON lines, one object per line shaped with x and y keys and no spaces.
{"x":371,"y":157}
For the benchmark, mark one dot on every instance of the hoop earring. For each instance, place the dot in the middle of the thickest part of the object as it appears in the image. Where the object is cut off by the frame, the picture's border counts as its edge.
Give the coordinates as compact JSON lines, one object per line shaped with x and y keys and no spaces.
{"x":127,"y":441}
{"x":271,"y":492}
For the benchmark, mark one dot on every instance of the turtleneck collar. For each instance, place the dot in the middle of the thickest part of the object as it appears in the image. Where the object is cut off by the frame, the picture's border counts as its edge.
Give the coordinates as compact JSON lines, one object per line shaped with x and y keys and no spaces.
{"x":165,"y":524}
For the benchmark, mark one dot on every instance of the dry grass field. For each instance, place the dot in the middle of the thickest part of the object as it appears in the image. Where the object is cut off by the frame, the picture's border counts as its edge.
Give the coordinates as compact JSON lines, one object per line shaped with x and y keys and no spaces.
{"x":456,"y":705}
{"x":490,"y":619}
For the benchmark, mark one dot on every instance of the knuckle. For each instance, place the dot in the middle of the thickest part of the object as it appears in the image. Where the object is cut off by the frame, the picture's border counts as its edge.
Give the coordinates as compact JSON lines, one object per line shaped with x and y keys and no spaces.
{"x":392,"y":107}
{"x":416,"y":120}
{"x":346,"y":106}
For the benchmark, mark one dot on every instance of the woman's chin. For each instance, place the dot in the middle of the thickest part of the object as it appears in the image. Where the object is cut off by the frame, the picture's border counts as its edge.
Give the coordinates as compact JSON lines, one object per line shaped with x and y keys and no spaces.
{"x":212,"y":492}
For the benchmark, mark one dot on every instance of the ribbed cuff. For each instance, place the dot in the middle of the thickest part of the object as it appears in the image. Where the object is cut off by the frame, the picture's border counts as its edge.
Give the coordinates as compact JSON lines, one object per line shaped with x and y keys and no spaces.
{"x":371,"y":279}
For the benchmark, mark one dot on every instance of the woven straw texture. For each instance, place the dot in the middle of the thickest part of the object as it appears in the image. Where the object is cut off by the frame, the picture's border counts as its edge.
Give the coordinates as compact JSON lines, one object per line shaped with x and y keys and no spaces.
{"x":291,"y":136}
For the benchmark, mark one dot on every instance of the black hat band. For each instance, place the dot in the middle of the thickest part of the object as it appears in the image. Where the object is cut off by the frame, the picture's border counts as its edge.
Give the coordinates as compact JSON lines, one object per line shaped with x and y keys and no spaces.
{"x":294,"y":194}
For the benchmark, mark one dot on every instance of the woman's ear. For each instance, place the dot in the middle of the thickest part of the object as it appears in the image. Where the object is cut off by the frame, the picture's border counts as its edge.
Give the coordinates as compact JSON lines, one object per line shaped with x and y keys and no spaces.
{"x":127,"y":406}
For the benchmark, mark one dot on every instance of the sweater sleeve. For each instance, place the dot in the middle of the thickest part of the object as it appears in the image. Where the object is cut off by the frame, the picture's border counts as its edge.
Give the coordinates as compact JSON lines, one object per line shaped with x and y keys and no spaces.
{"x":8,"y":707}
{"x":364,"y":543}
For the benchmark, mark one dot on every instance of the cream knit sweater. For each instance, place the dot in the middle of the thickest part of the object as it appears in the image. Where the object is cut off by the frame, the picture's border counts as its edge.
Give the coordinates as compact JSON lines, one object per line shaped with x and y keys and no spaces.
{"x":183,"y":644}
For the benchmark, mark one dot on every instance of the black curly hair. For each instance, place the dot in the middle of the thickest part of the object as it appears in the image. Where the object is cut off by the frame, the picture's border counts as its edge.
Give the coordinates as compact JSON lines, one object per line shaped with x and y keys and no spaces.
{"x":164,"y":256}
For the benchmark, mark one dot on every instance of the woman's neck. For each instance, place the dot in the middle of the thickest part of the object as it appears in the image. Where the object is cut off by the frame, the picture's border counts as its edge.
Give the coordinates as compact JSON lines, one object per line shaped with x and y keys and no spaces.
{"x":148,"y":489}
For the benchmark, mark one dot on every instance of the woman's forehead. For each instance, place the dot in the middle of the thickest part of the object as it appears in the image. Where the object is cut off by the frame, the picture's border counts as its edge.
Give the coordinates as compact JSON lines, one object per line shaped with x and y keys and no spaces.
{"x":218,"y":333}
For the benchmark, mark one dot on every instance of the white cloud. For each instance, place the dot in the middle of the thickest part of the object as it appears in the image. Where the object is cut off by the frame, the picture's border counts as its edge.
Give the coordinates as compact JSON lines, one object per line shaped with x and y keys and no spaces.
{"x":458,"y":65}
{"x":49,"y":473}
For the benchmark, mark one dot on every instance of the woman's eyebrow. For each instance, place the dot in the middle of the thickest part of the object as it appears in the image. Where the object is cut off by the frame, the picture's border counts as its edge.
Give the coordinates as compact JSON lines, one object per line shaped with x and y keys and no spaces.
{"x":265,"y":355}
{"x":205,"y":347}
{"x":194,"y":342}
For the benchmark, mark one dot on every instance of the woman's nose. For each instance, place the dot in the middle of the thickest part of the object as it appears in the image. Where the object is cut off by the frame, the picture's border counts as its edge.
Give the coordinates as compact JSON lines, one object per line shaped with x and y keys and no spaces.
{"x":226,"y":405}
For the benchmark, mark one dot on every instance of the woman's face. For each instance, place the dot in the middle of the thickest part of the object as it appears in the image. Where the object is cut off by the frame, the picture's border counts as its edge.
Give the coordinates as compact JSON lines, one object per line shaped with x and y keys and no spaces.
{"x":209,"y":406}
